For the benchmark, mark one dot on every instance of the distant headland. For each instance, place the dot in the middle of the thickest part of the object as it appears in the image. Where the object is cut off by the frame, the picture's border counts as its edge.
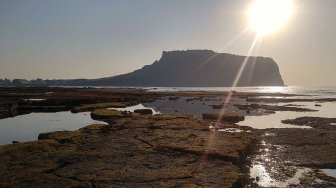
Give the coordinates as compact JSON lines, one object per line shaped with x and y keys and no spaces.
{"x":190,"y":68}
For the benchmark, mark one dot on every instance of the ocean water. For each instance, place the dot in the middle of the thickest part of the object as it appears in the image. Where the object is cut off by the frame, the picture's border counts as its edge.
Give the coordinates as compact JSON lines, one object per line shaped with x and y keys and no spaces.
{"x":321,"y":91}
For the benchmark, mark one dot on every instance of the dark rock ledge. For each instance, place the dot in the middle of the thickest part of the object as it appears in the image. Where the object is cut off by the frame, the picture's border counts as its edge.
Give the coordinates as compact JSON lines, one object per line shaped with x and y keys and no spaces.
{"x":133,"y":151}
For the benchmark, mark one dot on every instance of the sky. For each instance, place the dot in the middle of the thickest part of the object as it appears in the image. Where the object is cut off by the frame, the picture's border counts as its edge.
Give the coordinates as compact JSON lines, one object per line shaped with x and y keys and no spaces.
{"x":61,"y":39}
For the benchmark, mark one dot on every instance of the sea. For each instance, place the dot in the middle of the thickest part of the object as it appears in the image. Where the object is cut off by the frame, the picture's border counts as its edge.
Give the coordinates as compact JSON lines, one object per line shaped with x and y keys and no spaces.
{"x":313,"y":91}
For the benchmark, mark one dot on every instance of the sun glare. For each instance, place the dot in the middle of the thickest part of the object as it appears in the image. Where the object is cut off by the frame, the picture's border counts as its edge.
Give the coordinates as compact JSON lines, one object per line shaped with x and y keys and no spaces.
{"x":268,"y":16}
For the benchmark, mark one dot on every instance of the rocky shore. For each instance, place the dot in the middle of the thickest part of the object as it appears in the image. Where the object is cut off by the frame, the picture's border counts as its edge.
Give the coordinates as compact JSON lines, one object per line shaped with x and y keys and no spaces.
{"x":138,"y":149}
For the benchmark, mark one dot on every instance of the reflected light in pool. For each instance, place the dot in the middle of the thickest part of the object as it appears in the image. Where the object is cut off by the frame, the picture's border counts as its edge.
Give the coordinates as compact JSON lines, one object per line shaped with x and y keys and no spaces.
{"x":27,"y":127}
{"x":136,"y":107}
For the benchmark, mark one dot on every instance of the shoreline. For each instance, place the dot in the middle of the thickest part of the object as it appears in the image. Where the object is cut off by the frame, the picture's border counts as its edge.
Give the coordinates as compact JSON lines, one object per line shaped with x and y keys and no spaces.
{"x":159,"y":150}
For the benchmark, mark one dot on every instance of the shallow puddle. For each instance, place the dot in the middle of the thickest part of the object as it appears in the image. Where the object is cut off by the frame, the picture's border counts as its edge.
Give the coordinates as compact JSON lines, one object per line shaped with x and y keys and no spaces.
{"x":136,"y":107}
{"x":191,"y":105}
{"x":329,"y":172}
{"x":213,"y":127}
{"x":264,"y":177}
{"x":27,"y":127}
{"x":231,"y":130}
{"x":34,"y":100}
{"x":197,"y":106}
{"x":271,"y":121}
{"x":274,"y":120}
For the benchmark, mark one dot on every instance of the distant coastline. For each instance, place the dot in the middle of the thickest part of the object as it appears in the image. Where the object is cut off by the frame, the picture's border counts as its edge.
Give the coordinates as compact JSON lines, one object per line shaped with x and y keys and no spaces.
{"x":190,"y":68}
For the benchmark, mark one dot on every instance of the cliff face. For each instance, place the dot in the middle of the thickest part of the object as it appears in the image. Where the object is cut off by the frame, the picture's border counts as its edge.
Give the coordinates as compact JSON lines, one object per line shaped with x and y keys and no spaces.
{"x":199,"y":68}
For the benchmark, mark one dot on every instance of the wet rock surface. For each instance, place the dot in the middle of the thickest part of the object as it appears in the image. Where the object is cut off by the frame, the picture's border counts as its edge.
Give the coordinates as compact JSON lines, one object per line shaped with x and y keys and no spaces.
{"x":161,"y":150}
{"x":294,"y":158}
{"x":273,"y":107}
{"x":223,"y":117}
{"x":316,"y":122}
{"x":91,"y":107}
{"x":18,"y":101}
{"x":306,"y":147}
{"x":108,"y":114}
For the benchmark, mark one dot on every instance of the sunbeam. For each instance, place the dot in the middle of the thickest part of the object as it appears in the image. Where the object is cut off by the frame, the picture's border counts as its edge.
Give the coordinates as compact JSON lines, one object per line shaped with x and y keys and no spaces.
{"x":236,"y":80}
{"x":245,"y":62}
{"x":234,"y":39}
{"x":253,"y":63}
{"x":210,"y":144}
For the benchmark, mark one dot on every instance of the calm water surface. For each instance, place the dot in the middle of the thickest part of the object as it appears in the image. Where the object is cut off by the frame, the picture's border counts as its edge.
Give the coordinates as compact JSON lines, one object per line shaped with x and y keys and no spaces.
{"x":137,"y":107}
{"x":321,"y":91}
{"x":327,"y":110}
{"x":28,"y":127}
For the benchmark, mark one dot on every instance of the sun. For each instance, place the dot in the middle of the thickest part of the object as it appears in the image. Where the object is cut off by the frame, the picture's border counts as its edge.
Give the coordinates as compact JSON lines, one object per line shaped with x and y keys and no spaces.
{"x":268,"y":16}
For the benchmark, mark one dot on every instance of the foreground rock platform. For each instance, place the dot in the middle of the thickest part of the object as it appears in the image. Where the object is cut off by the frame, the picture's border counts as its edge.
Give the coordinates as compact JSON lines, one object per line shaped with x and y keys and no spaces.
{"x":141,"y":150}
{"x":135,"y":151}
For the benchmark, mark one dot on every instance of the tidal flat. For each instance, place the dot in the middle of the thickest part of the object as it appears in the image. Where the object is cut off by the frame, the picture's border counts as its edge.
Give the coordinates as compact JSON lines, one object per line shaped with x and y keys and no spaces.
{"x":139,"y":138}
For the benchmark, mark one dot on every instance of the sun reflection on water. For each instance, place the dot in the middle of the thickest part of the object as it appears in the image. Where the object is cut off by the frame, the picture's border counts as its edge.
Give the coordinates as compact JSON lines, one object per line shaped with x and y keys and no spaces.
{"x":277,"y":89}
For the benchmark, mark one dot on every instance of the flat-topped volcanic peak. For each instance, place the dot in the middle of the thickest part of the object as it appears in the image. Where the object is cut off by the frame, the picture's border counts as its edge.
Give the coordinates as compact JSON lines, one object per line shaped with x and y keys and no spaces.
{"x":197,"y":68}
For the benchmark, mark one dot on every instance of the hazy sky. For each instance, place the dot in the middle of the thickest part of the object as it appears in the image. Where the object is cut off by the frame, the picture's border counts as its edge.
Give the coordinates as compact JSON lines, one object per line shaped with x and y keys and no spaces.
{"x":99,"y":38}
